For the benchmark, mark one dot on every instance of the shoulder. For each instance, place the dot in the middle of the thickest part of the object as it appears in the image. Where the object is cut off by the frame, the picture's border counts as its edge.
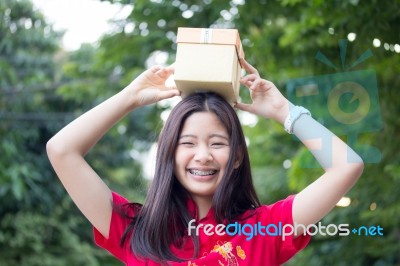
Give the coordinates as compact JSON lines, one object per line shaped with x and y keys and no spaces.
{"x":118,"y":199}
{"x":277,"y":211}
{"x":281,"y":205}
{"x":123,"y":206}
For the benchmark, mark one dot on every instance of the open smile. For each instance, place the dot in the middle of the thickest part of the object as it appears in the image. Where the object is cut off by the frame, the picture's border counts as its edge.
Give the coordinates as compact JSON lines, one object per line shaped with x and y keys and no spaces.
{"x":202,"y":172}
{"x":202,"y":175}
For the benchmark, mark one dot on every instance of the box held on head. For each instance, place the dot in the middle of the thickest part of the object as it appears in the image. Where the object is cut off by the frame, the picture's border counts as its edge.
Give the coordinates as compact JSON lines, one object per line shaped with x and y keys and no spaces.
{"x":208,"y":60}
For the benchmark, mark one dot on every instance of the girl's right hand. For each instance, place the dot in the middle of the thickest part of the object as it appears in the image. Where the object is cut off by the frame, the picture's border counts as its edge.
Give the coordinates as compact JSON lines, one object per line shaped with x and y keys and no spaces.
{"x":149,"y":87}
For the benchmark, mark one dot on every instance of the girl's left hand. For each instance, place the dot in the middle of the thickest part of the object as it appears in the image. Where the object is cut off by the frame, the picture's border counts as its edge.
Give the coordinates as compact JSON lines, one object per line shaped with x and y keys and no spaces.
{"x":267,"y":100}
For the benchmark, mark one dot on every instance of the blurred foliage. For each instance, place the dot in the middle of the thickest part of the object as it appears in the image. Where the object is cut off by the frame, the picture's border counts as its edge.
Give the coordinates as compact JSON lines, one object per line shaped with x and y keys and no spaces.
{"x":39,"y":225}
{"x":27,"y":49}
{"x":43,"y":87}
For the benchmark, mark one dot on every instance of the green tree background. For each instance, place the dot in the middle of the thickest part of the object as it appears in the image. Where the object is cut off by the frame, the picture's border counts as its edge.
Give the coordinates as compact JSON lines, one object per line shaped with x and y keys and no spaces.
{"x":43,"y":87}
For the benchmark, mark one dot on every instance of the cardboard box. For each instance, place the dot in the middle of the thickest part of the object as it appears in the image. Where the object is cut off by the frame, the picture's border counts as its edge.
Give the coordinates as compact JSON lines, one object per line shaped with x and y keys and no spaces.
{"x":208,"y":60}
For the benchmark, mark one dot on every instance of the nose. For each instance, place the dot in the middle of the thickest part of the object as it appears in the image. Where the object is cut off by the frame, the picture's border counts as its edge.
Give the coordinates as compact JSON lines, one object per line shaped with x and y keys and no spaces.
{"x":203,"y":154}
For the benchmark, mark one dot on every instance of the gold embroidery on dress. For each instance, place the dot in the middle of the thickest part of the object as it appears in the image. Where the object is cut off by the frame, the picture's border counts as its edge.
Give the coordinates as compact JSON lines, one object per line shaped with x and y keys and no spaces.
{"x":225,"y":250}
{"x":240,"y":252}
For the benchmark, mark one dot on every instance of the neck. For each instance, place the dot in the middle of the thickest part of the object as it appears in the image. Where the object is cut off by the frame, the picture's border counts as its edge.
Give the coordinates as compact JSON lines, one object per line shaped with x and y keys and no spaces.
{"x":203,"y":205}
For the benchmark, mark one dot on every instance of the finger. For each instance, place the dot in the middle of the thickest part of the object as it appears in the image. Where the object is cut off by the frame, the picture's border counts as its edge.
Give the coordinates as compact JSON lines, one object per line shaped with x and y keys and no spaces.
{"x":247,"y":83}
{"x":155,"y":69}
{"x":266,"y":84}
{"x":255,"y":84}
{"x":170,"y":69}
{"x":164,"y":72}
{"x":249,"y":68}
{"x":165,"y":94}
{"x":170,"y":87}
{"x":244,"y":107}
{"x":250,"y":77}
{"x":250,"y":81}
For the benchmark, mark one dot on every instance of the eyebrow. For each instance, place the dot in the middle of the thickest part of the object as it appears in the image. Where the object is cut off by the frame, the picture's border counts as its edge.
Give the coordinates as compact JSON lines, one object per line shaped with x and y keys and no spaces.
{"x":211,"y":136}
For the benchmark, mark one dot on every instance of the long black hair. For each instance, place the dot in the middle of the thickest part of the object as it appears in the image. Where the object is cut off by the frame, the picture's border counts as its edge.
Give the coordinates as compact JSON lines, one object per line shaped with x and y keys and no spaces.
{"x":163,"y":219}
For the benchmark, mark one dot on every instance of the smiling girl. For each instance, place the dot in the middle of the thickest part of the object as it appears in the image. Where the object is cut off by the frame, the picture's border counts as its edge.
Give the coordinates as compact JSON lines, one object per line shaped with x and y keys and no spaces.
{"x":202,"y":173}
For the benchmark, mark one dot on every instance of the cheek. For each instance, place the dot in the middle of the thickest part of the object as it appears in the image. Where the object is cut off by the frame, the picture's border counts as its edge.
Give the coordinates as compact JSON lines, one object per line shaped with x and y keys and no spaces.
{"x":181,"y":157}
{"x":177,"y":161}
{"x":223,"y":157}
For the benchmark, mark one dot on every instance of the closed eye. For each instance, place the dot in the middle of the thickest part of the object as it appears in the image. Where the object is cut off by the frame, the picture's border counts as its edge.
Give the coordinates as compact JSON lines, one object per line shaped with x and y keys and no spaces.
{"x":219,"y":144}
{"x":186,"y":143}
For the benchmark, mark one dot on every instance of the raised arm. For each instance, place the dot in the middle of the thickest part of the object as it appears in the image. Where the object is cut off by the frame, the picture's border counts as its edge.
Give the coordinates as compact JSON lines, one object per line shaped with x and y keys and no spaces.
{"x":342,"y":165}
{"x":66,"y":150}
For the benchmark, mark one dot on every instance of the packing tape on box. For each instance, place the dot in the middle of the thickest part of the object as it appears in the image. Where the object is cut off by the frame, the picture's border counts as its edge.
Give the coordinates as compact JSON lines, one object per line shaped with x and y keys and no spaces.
{"x":206,"y":35}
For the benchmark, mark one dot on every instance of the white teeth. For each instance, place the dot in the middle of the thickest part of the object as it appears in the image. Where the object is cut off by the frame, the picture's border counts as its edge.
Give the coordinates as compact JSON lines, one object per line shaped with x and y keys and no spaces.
{"x":202,"y":173}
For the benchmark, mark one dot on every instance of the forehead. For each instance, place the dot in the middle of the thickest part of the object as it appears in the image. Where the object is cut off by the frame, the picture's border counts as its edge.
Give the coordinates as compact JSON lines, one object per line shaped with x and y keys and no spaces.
{"x":203,"y":123}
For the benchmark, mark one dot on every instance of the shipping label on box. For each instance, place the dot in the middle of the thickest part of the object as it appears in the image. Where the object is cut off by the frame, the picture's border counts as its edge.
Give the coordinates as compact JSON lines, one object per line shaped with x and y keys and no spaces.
{"x":345,"y":102}
{"x":208,"y":60}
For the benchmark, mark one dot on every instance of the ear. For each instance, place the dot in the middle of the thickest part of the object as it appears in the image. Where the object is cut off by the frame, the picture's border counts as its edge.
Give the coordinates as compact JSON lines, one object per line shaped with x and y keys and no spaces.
{"x":238,"y":160}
